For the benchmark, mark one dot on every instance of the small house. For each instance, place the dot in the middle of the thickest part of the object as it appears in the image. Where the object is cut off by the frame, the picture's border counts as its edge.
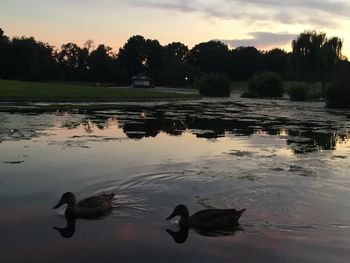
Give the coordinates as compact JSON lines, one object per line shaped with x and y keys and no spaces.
{"x":142,"y":81}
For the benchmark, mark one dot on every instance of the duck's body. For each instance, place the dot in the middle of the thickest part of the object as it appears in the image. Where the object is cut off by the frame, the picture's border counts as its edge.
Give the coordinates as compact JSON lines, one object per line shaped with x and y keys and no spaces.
{"x":208,"y":218}
{"x":91,"y":207}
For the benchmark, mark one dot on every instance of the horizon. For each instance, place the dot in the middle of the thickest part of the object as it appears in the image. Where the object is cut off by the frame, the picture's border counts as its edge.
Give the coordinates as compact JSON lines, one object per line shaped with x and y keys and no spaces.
{"x":263,"y":24}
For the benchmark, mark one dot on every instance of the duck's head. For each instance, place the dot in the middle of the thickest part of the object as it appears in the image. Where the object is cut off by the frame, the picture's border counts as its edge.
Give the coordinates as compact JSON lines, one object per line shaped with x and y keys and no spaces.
{"x":67,"y":198}
{"x":180,"y":210}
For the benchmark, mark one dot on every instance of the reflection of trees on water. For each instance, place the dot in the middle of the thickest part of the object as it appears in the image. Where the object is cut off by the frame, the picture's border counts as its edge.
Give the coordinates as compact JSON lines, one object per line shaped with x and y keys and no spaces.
{"x":310,"y":141}
{"x":303,"y":137}
{"x":212,"y":121}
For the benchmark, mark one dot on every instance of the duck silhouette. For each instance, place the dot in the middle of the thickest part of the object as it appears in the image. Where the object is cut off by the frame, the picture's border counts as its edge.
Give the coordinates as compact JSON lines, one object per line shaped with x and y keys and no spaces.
{"x":207,"y":222}
{"x":92,"y":207}
{"x":207,"y":218}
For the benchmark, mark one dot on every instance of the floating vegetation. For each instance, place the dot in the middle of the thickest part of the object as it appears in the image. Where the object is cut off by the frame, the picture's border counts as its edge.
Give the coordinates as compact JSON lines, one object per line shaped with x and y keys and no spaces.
{"x":13,"y":162}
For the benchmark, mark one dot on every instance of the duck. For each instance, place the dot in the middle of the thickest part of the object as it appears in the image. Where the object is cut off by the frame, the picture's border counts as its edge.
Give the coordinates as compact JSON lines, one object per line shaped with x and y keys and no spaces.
{"x":92,"y":207}
{"x":207,"y":218}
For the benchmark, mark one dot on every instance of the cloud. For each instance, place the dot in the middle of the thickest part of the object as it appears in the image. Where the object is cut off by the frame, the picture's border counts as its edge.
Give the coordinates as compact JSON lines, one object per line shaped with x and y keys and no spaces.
{"x":315,"y":12}
{"x":262,"y":40}
{"x":177,"y":6}
{"x":340,"y":8}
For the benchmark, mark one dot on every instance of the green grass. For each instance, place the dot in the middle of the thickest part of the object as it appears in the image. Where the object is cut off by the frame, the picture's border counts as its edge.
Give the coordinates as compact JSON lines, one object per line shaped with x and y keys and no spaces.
{"x":37,"y":91}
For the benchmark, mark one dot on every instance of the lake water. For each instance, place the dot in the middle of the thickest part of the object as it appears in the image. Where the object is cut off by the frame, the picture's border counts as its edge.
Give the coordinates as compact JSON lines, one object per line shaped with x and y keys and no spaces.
{"x":287,"y":163}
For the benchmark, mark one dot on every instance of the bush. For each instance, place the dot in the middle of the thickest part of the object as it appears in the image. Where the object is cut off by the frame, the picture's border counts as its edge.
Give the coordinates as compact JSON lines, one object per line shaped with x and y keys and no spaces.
{"x":315,"y":92}
{"x":338,"y":93}
{"x":304,"y":92}
{"x":214,"y":85}
{"x":299,"y":92}
{"x":265,"y":84}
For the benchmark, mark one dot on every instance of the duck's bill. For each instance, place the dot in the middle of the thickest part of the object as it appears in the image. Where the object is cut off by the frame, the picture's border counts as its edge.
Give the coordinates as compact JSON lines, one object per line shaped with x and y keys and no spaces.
{"x":171,"y":216}
{"x":58,"y":205}
{"x":240,"y":212}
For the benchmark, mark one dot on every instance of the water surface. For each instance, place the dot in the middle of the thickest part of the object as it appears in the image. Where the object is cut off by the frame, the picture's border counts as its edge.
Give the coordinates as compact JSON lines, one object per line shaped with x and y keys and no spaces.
{"x":287,"y":163}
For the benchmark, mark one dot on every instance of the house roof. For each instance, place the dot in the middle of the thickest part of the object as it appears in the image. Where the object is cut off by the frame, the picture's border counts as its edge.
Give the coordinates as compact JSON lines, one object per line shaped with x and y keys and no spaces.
{"x":141,"y":77}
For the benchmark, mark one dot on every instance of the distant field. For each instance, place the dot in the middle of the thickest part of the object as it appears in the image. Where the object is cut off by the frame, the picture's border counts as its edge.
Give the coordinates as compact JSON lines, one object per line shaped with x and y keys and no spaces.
{"x":36,"y":91}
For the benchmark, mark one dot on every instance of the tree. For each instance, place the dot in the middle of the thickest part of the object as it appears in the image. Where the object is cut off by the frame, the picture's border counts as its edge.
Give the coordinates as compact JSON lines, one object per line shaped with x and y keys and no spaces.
{"x":245,"y":62}
{"x":338,"y":93}
{"x":176,"y":72}
{"x":331,"y":56}
{"x":176,"y":51}
{"x":179,"y":74}
{"x":315,"y":56}
{"x":132,"y":55}
{"x":276,"y":60}
{"x":154,"y":59}
{"x":103,"y":65}
{"x":140,"y":55}
{"x":31,"y":60}
{"x":4,"y":45}
{"x":73,"y":61}
{"x":89,"y":45}
{"x":210,"y":57}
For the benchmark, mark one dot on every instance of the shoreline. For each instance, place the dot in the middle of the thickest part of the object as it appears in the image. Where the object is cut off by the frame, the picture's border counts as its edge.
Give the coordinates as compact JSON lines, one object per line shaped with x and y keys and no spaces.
{"x":95,"y":99}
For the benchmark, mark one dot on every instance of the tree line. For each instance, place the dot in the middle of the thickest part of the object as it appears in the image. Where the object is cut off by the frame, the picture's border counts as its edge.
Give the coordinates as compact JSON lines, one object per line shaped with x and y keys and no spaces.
{"x":314,"y":57}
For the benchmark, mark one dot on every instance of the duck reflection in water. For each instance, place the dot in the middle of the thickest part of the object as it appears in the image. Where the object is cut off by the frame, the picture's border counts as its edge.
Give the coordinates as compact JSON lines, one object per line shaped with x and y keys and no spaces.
{"x":90,"y":208}
{"x":69,"y":230}
{"x":182,"y":235}
{"x":208,"y":222}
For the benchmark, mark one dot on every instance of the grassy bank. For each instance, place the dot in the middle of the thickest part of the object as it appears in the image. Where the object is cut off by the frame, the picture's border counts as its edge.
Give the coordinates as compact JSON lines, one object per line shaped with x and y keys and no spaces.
{"x":20,"y":91}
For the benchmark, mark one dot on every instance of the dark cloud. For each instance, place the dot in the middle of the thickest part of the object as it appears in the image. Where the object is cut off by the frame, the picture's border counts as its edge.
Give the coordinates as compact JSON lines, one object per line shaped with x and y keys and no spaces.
{"x":262,"y":40}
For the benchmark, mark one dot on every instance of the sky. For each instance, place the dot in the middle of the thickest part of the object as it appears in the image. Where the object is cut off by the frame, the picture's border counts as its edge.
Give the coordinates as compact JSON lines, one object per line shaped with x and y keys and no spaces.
{"x":264,"y":24}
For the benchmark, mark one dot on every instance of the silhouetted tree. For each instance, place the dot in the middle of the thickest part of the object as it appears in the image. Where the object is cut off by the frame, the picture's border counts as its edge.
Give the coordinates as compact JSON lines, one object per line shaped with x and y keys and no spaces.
{"x":330,"y":57}
{"x":245,"y":62}
{"x":89,"y":45}
{"x":176,"y":71}
{"x":103,"y":65}
{"x":177,"y":51}
{"x":315,"y":56}
{"x":73,"y":61}
{"x":276,"y":60}
{"x":210,"y":57}
{"x":338,"y":92}
{"x":4,"y":45}
{"x":132,"y":55}
{"x":154,"y":59}
{"x":31,"y":60}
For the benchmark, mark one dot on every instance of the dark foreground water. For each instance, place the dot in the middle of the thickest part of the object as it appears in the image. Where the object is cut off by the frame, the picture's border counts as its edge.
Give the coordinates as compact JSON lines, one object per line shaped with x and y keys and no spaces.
{"x":287,"y":163}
